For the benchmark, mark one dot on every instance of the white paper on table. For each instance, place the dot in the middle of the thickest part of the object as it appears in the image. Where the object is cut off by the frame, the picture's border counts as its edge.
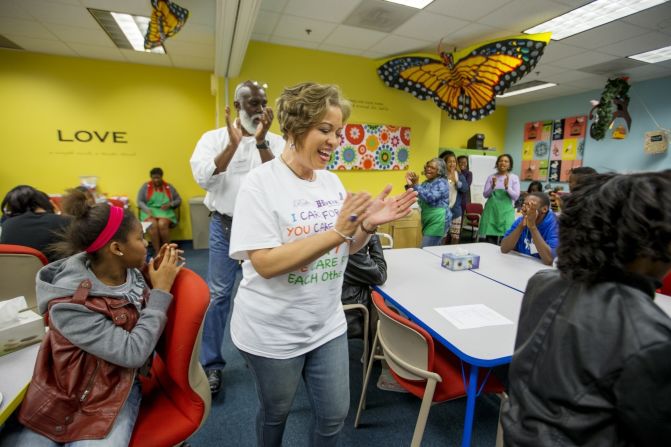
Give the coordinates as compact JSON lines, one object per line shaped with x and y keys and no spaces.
{"x":145,"y":226}
{"x":471,"y":316}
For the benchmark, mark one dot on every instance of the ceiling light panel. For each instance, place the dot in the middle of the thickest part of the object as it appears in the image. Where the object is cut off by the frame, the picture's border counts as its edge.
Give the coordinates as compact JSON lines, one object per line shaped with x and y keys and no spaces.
{"x":590,"y":16}
{"x":526,"y":87}
{"x":654,"y":56}
{"x":417,"y":4}
{"x":126,"y":30}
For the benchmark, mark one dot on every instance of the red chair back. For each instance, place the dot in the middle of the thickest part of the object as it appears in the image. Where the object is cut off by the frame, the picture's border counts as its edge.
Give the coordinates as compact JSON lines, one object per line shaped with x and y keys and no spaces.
{"x":116,"y":202}
{"x":176,"y":397}
{"x":473,"y":212}
{"x":666,"y":285}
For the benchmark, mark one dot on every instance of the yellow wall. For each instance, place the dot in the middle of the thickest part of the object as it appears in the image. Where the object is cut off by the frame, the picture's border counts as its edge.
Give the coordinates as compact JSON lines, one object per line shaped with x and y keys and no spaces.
{"x":374,"y":103}
{"x":162,"y":110}
{"x":455,"y":134}
{"x":165,"y":110}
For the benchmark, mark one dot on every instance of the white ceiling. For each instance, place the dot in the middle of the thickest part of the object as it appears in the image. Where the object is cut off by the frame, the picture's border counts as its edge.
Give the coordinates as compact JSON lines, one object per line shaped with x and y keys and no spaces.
{"x":65,"y":27}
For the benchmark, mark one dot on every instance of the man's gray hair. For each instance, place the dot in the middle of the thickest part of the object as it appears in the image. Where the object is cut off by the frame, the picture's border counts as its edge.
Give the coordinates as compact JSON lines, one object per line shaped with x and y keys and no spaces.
{"x":440,"y":164}
{"x":244,"y":85}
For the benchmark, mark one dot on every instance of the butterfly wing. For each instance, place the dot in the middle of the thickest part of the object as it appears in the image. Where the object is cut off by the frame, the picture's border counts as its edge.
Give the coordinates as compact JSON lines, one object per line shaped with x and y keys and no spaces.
{"x":413,"y":74}
{"x":153,"y":37}
{"x":467,"y":90}
{"x":167,"y":19}
{"x":174,"y":17}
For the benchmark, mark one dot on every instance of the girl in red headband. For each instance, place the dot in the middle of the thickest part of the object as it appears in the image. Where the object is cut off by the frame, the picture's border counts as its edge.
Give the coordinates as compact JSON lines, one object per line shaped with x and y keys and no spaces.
{"x":104,"y":321}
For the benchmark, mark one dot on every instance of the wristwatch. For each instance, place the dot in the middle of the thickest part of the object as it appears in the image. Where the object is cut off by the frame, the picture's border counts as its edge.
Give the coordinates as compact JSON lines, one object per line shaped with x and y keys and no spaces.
{"x":264,"y":145}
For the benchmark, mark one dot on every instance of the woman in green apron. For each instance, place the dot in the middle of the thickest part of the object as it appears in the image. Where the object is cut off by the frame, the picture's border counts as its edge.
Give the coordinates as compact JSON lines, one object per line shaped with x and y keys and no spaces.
{"x":157,"y":201}
{"x":434,"y":201}
{"x":501,"y":190}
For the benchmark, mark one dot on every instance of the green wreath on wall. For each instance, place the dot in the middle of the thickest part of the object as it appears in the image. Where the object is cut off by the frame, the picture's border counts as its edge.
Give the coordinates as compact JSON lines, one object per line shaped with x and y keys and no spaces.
{"x":613,"y":103}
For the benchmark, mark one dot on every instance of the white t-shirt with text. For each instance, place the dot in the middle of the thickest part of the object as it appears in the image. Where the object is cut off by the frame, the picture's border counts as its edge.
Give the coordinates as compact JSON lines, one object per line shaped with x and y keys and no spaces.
{"x":294,"y":313}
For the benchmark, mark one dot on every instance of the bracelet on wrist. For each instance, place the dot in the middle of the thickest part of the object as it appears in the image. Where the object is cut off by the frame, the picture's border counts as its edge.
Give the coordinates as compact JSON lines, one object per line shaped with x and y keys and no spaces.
{"x":349,"y":239}
{"x":366,"y":230}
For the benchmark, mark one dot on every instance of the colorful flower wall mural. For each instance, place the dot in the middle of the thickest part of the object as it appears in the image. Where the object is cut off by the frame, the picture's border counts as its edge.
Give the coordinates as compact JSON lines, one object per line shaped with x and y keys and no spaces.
{"x":372,"y":147}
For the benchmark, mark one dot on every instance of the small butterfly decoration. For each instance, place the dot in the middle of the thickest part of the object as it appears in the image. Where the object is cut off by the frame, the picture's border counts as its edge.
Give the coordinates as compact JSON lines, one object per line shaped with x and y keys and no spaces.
{"x":167,"y":19}
{"x":465,"y":83}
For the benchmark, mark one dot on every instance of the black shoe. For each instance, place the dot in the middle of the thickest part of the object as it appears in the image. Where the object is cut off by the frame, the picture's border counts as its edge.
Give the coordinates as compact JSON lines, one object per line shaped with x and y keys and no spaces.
{"x":214,"y":379}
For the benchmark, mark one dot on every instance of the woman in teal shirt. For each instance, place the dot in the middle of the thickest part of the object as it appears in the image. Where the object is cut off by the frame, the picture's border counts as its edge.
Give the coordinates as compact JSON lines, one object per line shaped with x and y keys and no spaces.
{"x":434,"y":201}
{"x":158,"y":201}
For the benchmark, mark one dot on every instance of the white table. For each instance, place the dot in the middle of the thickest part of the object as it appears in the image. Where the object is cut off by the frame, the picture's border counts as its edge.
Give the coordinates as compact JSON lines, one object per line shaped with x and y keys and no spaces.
{"x":16,"y":370}
{"x":417,"y":285}
{"x":511,"y":269}
{"x":663,"y":301}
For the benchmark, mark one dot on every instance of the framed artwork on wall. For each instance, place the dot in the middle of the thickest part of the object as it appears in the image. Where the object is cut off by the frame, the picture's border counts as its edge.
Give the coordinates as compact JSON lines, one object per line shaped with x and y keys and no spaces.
{"x":552,"y":148}
{"x":370,"y":147}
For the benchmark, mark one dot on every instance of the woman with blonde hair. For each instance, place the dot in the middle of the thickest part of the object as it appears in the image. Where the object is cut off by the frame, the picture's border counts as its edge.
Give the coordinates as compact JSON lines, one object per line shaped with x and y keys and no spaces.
{"x":294,"y":228}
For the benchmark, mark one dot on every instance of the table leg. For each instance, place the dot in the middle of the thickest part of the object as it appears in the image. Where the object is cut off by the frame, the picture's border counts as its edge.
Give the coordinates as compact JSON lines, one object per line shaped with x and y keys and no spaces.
{"x":471,"y":392}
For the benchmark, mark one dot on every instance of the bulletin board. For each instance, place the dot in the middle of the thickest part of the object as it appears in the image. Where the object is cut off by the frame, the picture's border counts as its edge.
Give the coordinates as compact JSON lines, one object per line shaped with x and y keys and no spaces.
{"x":552,"y":148}
{"x":372,"y":147}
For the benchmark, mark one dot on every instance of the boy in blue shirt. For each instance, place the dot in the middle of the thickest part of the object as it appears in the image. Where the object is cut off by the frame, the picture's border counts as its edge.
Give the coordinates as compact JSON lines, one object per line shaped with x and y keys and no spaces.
{"x":536,"y":232}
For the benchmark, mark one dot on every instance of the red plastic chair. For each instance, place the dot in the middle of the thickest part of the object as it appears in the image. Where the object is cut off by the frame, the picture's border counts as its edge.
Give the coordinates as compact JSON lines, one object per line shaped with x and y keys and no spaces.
{"x":424,"y":368}
{"x":18,"y":267}
{"x":116,"y":202}
{"x":666,"y":285}
{"x":176,"y":397}
{"x":471,"y":219}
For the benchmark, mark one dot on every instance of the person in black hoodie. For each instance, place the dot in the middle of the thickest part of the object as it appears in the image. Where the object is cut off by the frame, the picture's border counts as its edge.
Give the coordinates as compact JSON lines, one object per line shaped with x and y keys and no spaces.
{"x":365,"y":268}
{"x":592,"y":361}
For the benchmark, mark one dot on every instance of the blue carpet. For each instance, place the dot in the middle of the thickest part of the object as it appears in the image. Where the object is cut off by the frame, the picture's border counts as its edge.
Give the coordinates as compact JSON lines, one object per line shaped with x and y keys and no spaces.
{"x":389,"y":418}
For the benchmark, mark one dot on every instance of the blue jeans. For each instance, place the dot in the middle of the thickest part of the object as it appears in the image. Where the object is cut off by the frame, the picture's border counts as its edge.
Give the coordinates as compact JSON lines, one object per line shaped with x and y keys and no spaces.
{"x":325,"y":371}
{"x":430,"y":241}
{"x":119,"y":436}
{"x":221,"y":275}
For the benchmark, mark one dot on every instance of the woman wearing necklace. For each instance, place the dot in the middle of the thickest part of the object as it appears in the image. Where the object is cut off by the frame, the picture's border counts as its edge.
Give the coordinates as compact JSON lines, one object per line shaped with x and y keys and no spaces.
{"x":296,"y":225}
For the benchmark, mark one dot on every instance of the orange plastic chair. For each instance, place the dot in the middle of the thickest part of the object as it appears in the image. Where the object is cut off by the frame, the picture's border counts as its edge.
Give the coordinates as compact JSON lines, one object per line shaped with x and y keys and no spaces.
{"x":424,"y":368}
{"x":18,"y":267}
{"x":176,"y":397}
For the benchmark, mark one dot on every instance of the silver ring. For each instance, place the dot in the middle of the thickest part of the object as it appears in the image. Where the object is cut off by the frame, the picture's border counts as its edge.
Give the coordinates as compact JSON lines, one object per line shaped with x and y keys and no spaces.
{"x":353,"y":217}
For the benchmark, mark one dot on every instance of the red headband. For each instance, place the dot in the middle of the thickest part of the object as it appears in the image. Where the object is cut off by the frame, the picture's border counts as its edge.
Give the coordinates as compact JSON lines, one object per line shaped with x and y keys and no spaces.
{"x":111,"y":227}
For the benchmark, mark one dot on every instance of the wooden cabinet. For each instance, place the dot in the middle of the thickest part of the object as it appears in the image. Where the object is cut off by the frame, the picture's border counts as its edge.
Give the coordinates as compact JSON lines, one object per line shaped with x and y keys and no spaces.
{"x":407,"y":232}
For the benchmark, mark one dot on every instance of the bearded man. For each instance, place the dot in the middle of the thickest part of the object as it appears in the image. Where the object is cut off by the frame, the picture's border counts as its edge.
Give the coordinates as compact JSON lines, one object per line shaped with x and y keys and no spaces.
{"x":220,"y":162}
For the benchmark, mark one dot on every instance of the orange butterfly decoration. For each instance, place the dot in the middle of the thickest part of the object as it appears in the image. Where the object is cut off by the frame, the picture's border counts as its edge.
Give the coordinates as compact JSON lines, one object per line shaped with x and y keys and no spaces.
{"x":465,"y":83}
{"x":167,"y":19}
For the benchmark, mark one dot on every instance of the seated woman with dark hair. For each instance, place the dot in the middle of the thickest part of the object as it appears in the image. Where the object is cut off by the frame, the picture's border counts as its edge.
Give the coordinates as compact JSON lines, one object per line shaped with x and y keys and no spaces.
{"x":592,"y":356}
{"x":158,"y":201}
{"x":29,"y":220}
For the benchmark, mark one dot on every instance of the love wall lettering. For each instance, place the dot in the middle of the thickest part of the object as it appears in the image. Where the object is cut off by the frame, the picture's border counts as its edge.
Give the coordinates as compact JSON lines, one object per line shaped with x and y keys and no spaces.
{"x":87,"y":136}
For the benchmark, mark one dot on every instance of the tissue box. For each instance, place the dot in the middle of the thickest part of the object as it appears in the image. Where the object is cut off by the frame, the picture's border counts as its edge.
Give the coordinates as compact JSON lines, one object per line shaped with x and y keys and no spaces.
{"x":455,"y":261}
{"x":28,"y":329}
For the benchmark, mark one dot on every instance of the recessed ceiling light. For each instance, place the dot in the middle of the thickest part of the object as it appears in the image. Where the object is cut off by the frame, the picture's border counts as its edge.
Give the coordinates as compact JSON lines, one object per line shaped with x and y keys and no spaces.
{"x":654,"y":56}
{"x":526,"y":87}
{"x":590,"y":16}
{"x":126,"y":30}
{"x":418,"y":4}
